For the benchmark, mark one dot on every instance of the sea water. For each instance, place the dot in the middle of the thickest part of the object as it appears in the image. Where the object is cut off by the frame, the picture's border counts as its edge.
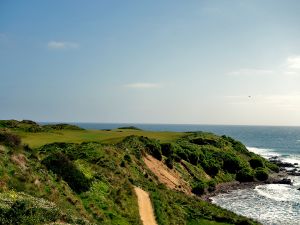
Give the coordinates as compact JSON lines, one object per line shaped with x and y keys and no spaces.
{"x":271,"y":204}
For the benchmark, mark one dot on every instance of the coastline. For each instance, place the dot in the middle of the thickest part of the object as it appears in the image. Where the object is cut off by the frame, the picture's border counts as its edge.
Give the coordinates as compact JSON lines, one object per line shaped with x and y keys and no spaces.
{"x":286,"y":169}
{"x":223,"y":188}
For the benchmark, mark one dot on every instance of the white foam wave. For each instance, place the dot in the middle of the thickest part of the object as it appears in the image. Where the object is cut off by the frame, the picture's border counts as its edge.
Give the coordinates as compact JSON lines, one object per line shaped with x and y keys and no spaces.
{"x":296,"y":181}
{"x":294,"y":159}
{"x":265,"y":204}
{"x":279,"y":192}
{"x":264,"y":152}
{"x":268,"y":153}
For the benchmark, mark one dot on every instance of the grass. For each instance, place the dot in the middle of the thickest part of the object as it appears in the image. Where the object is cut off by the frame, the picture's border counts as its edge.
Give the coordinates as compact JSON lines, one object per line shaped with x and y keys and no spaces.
{"x":38,"y":139}
{"x":112,"y":168}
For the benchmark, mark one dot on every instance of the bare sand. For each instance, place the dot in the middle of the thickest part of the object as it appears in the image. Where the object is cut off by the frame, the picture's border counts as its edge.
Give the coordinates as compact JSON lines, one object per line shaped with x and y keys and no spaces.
{"x":169,"y":177}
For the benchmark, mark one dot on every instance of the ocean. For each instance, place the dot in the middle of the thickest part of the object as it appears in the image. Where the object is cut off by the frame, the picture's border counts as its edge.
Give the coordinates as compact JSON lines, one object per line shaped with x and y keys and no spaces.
{"x":271,"y":204}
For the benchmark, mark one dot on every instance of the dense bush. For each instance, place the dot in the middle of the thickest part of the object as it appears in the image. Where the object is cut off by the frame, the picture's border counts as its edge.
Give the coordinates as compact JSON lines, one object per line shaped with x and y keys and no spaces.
{"x":261,"y":174}
{"x":25,"y":125}
{"x":210,"y":167}
{"x":152,"y":147}
{"x":61,"y":126}
{"x":189,"y":152}
{"x":272,"y":167}
{"x":169,"y":162}
{"x":127,"y":158}
{"x":204,"y":141}
{"x":245,"y":175}
{"x":61,"y":165}
{"x":134,"y":145}
{"x":20,"y":208}
{"x":129,"y":128}
{"x":167,"y":149}
{"x":256,"y":162}
{"x":181,"y":154}
{"x":199,"y":188}
{"x":231,"y":163}
{"x":211,"y":186}
{"x":9,"y":139}
{"x":237,"y":146}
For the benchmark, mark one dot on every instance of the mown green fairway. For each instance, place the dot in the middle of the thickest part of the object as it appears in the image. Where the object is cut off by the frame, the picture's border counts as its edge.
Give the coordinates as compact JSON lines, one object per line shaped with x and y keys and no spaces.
{"x":78,"y":136}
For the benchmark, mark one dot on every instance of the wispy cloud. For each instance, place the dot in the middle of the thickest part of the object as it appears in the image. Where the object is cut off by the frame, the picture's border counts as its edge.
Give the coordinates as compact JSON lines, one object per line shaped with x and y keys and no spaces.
{"x":293,"y":62}
{"x":62,"y":45}
{"x":251,"y":72}
{"x":143,"y":85}
{"x":289,"y":67}
{"x":289,"y":101}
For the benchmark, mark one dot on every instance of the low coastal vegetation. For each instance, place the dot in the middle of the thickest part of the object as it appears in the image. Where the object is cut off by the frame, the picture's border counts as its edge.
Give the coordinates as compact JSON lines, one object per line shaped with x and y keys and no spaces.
{"x":31,"y":126}
{"x":129,"y":128}
{"x":88,"y":178}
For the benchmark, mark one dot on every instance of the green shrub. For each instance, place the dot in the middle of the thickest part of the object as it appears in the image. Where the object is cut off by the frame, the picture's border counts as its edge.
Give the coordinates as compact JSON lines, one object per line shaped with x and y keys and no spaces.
{"x":237,"y":146}
{"x":169,"y":162}
{"x":20,"y":208}
{"x":231,"y":163}
{"x":245,"y":175}
{"x":272,"y":167}
{"x":129,"y":128}
{"x":167,"y":149}
{"x":25,"y":125}
{"x":199,"y":188}
{"x":9,"y":139}
{"x":193,"y":158}
{"x":256,"y":162}
{"x":211,"y":186}
{"x":61,"y":126}
{"x":261,"y":174}
{"x":210,"y":167}
{"x":127,"y":158}
{"x":188,"y":152}
{"x":152,"y":147}
{"x":204,"y":141}
{"x":61,"y":165}
{"x":181,"y":154}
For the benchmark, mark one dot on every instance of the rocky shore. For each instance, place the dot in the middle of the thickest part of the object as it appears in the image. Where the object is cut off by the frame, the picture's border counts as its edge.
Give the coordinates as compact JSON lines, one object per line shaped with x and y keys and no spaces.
{"x":282,"y":177}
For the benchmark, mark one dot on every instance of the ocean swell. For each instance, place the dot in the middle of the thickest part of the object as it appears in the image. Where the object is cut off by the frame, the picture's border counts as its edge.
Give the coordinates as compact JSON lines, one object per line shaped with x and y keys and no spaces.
{"x":270,"y":204}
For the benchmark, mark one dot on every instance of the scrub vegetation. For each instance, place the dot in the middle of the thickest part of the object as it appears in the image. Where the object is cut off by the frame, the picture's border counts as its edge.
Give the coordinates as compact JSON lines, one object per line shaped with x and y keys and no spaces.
{"x":81,"y":176}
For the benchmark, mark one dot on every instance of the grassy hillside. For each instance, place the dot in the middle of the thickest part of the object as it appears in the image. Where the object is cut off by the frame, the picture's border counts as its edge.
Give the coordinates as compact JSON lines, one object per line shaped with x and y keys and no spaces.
{"x":87,"y":177}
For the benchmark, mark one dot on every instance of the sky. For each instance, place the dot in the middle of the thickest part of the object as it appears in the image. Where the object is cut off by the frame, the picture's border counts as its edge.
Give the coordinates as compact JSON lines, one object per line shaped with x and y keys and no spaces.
{"x":168,"y":61}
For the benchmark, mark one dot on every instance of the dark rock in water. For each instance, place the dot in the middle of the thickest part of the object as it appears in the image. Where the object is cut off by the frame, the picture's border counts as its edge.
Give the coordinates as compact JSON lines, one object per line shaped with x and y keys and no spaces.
{"x":280,"y":163}
{"x":284,"y":181}
{"x":293,"y":173}
{"x":295,"y":164}
{"x":298,"y":189}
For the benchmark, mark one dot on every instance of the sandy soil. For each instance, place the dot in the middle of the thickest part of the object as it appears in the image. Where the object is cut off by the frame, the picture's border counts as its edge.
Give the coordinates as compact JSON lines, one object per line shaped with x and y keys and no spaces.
{"x":170,"y":178}
{"x":145,"y":207}
{"x":20,"y":160}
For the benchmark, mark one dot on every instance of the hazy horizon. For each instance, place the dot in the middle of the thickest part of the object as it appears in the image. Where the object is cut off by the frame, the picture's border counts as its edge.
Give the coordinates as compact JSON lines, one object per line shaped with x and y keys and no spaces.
{"x":166,"y":62}
{"x":175,"y":124}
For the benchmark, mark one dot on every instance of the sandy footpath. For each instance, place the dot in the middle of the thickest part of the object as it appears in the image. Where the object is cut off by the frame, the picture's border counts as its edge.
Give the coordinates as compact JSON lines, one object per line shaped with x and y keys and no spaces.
{"x":145,"y":207}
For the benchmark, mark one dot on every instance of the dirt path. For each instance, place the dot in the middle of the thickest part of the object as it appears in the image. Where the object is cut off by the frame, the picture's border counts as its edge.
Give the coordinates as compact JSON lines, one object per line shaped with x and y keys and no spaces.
{"x":145,"y":207}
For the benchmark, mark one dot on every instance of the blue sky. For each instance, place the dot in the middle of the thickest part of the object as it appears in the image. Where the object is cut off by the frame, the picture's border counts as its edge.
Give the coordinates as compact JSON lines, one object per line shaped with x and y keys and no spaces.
{"x":204,"y":62}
